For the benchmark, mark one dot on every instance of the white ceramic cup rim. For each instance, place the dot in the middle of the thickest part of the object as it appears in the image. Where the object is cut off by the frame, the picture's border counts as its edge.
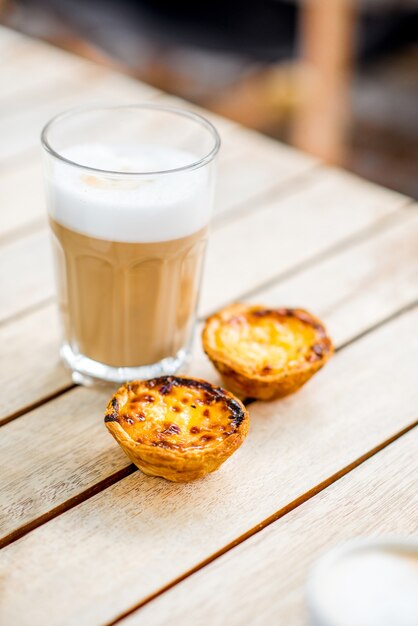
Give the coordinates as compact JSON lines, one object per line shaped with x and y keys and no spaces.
{"x":327,"y":560}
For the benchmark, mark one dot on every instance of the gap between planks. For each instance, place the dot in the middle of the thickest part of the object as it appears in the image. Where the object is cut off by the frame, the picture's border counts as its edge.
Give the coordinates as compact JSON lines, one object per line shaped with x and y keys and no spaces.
{"x":69,"y":504}
{"x":37,"y":404}
{"x":85,"y":495}
{"x":268,"y":521}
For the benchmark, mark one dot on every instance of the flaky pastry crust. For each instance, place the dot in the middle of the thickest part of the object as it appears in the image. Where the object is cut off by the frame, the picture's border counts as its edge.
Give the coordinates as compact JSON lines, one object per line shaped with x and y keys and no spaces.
{"x":265,"y":353}
{"x":175,"y":427}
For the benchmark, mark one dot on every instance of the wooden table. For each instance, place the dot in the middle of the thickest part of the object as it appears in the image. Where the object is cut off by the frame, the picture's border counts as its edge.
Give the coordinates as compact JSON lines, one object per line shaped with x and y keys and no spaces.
{"x":89,"y":540}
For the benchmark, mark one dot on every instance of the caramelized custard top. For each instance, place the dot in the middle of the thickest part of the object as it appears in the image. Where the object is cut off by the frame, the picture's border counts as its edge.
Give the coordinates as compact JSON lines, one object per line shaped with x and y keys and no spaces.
{"x":176,"y":413}
{"x":267,"y":341}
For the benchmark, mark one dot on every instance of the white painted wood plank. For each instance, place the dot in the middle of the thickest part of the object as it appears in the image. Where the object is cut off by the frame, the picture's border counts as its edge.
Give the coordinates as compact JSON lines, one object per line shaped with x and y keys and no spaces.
{"x":22,"y":204}
{"x":10,"y":42}
{"x":252,"y":165}
{"x":26,"y":276}
{"x":21,"y":126}
{"x":30,"y":368}
{"x":37,"y":67}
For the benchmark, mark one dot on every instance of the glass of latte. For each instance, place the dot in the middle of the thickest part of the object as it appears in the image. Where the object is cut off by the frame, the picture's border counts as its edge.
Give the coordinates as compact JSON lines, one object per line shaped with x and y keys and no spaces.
{"x":129,"y":195}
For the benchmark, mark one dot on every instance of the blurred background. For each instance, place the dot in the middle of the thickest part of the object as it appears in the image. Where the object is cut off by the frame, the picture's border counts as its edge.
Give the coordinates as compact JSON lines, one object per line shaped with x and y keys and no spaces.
{"x":335,"y":78}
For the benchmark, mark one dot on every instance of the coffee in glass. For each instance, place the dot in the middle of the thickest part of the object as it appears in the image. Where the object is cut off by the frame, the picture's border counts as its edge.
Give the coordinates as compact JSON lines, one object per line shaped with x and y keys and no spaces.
{"x":129,"y":195}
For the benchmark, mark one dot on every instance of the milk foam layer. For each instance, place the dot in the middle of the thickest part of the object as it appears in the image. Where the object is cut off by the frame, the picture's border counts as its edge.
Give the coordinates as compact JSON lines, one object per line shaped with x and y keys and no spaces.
{"x":129,"y":209}
{"x":370,"y":587}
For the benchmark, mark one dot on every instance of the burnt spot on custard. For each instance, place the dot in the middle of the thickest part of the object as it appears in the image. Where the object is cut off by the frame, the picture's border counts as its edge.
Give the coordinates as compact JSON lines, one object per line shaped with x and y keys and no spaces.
{"x":166,"y":387}
{"x":145,"y":397}
{"x":168,"y":445}
{"x":172,"y":429}
{"x":265,"y":312}
{"x":236,"y":320}
{"x":284,"y":312}
{"x":111,"y":417}
{"x":318,"y":349}
{"x":237,"y":414}
{"x":299,"y":314}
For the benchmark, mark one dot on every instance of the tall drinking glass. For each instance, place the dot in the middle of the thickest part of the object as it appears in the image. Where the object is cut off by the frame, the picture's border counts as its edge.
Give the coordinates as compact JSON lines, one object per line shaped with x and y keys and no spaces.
{"x":129,"y":196}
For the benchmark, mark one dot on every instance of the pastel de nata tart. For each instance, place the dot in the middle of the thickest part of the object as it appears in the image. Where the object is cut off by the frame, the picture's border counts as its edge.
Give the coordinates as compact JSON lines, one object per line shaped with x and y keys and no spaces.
{"x":265,"y":353}
{"x":177,"y":428}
